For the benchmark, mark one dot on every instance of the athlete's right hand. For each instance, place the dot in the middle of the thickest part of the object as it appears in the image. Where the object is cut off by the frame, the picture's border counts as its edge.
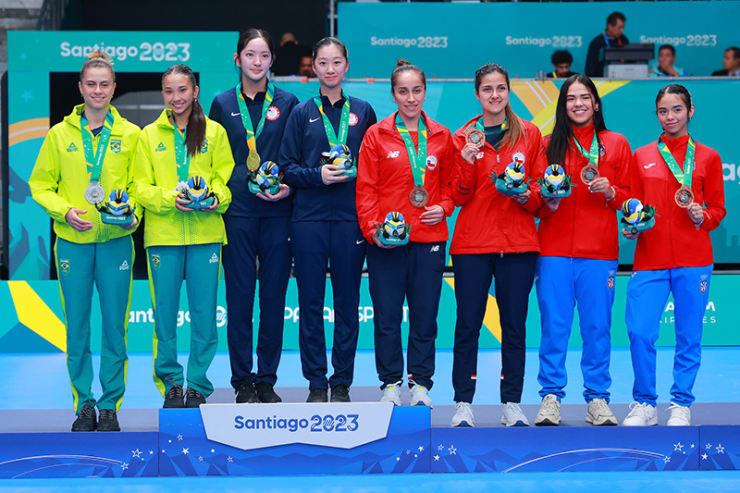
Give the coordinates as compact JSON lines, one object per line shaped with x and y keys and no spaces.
{"x":376,"y":240}
{"x":552,"y":203}
{"x":469,"y":152}
{"x":73,"y":219}
{"x":181,"y":203}
{"x":630,"y":234}
{"x":331,"y":173}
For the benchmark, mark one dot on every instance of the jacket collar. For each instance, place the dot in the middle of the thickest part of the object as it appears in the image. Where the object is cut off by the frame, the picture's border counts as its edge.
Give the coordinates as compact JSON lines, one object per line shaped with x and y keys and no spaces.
{"x":388,"y":124}
{"x":74,"y":118}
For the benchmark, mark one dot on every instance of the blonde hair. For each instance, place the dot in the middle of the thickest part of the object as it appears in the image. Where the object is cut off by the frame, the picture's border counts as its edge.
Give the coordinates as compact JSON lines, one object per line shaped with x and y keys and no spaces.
{"x":97,"y":59}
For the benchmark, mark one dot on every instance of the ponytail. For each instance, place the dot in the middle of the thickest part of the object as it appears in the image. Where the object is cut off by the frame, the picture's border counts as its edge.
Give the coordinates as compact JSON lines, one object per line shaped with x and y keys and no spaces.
{"x":195,"y":132}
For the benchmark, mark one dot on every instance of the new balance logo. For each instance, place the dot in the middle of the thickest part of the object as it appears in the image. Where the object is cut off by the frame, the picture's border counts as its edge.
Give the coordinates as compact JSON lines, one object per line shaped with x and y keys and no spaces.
{"x":213,"y":259}
{"x":393,"y":154}
{"x":649,"y":165}
{"x":160,"y":148}
{"x":435,"y":248}
{"x":72,"y":147}
{"x":124,"y":266}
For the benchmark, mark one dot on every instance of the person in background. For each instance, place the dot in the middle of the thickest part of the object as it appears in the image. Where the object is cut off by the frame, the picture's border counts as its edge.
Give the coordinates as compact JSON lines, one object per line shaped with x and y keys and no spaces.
{"x":611,"y":37}
{"x":561,"y":61}
{"x":288,"y":55}
{"x":730,"y":62}
{"x":305,"y":68}
{"x":665,"y":67}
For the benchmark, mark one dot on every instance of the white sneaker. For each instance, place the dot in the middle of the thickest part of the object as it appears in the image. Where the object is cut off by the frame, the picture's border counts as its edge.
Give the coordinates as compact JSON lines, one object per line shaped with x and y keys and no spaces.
{"x":513,"y":415}
{"x":549,"y":413}
{"x":641,"y":415}
{"x":392,"y":393}
{"x":463,"y":415}
{"x":680,"y":415}
{"x":420,"y":396}
{"x":599,"y":414}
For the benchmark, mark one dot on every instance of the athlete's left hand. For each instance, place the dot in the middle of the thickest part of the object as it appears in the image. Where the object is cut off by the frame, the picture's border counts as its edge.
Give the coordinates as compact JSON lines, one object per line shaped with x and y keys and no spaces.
{"x":213,"y":207}
{"x":522,"y":198}
{"x":133,"y":224}
{"x":283,"y":191}
{"x":433,"y":215}
{"x":696,"y":213}
{"x":602,"y":185}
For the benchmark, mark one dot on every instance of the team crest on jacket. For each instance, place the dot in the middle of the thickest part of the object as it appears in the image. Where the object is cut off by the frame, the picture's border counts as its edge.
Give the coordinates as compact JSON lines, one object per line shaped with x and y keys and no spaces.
{"x":610,"y":282}
{"x":353,"y":120}
{"x":204,"y":147}
{"x":273,"y":113}
{"x":519,"y":157}
{"x":602,"y":150}
{"x":115,"y":145}
{"x":64,"y":266}
{"x":431,"y":162}
{"x":155,"y":262}
{"x":703,"y":284}
{"x":72,"y":147}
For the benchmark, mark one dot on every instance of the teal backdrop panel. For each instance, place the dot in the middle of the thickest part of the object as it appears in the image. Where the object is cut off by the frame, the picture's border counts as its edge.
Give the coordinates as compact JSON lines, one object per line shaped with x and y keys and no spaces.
{"x":454,"y":39}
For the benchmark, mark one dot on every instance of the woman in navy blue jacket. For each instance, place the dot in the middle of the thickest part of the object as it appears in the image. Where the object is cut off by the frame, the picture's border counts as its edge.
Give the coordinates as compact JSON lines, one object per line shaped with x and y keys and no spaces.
{"x":254,"y":114}
{"x":324,"y":223}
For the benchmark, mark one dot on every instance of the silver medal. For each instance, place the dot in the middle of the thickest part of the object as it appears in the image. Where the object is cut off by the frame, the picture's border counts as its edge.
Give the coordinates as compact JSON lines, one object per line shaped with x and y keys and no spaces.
{"x":94,"y":193}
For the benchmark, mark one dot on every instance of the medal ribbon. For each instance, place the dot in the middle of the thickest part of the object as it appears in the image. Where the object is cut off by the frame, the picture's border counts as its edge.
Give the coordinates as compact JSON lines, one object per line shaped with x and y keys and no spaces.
{"x":418,"y":160}
{"x":252,"y":134}
{"x":479,"y":125}
{"x":94,"y":158}
{"x":343,"y":123}
{"x":182,"y":158}
{"x":683,"y":177}
{"x":593,"y":154}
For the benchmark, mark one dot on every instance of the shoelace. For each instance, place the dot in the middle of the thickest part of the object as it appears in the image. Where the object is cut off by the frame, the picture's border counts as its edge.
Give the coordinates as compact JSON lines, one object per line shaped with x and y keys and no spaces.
{"x":87,"y":411}
{"x":461,"y":405}
{"x":514,"y":407}
{"x":637,"y":408}
{"x":194,"y":393}
{"x":174,"y":392}
{"x":673,"y":406}
{"x":550,"y":405}
{"x":107,"y":413}
{"x":601,"y":406}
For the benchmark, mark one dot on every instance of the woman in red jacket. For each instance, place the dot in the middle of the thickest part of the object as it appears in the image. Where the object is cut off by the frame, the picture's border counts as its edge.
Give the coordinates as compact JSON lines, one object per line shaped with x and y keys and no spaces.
{"x":683,"y":180}
{"x":495,"y":237}
{"x":579,"y":238}
{"x":405,"y":163}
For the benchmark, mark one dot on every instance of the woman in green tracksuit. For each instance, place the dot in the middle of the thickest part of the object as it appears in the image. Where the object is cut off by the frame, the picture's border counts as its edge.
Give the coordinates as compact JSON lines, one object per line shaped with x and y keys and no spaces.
{"x":82,"y":160}
{"x":183,"y":236}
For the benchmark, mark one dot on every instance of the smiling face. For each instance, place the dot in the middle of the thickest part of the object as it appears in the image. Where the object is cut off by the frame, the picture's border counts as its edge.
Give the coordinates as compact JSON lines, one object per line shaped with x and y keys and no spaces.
{"x":97,"y":87}
{"x":254,"y":60}
{"x":179,"y":94}
{"x":493,"y":93}
{"x":673,"y":115}
{"x":330,"y":66}
{"x":409,"y":94}
{"x":579,"y":105}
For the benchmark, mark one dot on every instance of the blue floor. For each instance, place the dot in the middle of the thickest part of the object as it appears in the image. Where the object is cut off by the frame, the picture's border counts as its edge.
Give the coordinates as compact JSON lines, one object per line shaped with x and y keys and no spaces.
{"x":716,"y":482}
{"x":40,"y":381}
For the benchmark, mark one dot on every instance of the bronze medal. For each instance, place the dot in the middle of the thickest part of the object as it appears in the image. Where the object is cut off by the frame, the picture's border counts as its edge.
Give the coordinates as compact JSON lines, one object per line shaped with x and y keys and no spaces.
{"x":475,"y":137}
{"x":589,"y":173}
{"x":684,"y":197}
{"x":419,"y":196}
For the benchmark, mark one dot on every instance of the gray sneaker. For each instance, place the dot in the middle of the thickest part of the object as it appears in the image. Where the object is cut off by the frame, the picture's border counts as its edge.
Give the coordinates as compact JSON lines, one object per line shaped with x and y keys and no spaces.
{"x":549,"y":413}
{"x":463,"y":415}
{"x":599,"y":414}
{"x":513,"y":415}
{"x":392,"y":393}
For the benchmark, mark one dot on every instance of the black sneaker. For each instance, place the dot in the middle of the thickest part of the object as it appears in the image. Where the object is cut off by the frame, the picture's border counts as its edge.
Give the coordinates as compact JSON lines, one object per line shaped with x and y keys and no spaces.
{"x":266,"y":393}
{"x":340,"y":393}
{"x":318,"y":395}
{"x":108,"y":420}
{"x":86,"y":419}
{"x":245,"y":393}
{"x":174,"y":397}
{"x":194,"y":398}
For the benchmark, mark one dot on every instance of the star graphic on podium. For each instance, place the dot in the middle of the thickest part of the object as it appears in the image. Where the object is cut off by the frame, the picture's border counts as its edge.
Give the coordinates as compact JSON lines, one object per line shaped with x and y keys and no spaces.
{"x":436,"y":457}
{"x":677,"y":447}
{"x":185,"y":451}
{"x":179,"y":437}
{"x":720,"y":449}
{"x":124,"y":466}
{"x":666,"y":459}
{"x":200,"y":458}
{"x":440,"y":447}
{"x":708,"y":446}
{"x":704,"y":456}
{"x":229,"y":459}
{"x":452,"y":450}
{"x":136,"y":454}
{"x":421,"y":448}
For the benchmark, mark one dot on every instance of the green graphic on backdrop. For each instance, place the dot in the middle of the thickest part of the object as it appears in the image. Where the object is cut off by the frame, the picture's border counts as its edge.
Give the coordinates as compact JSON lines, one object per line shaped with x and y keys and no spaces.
{"x":453,"y":40}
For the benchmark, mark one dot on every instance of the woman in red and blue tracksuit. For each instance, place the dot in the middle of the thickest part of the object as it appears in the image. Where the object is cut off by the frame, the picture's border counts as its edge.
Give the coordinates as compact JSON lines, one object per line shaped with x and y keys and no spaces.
{"x":257,"y":225}
{"x":324,"y":227}
{"x":674,"y":256}
{"x":579,"y":241}
{"x":401,"y":153}
{"x":495,"y":238}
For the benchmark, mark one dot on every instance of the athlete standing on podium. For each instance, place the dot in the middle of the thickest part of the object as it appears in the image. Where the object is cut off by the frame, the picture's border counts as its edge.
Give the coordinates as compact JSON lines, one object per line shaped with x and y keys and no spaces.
{"x":254,"y":114}
{"x":324,"y":226}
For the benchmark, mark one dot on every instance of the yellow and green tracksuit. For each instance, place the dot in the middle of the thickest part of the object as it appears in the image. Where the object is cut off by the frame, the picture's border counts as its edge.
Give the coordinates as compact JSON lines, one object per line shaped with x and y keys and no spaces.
{"x":102,"y":256}
{"x":182,"y":245}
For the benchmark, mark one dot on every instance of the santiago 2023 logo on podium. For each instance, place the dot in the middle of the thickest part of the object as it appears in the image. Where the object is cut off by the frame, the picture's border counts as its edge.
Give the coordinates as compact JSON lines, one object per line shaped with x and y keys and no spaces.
{"x":256,"y":426}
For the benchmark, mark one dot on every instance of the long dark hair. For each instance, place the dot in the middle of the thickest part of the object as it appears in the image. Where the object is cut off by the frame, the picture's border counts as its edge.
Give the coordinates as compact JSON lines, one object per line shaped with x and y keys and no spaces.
{"x":326,"y":42}
{"x":253,"y":33}
{"x":195,"y":132}
{"x":563,"y":131}
{"x":516,"y":127}
{"x":677,"y":89}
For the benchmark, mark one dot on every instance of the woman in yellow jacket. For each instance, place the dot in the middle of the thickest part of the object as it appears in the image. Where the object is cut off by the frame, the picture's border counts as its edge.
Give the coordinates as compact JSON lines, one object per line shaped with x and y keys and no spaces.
{"x":182,"y":165}
{"x":84,"y":159}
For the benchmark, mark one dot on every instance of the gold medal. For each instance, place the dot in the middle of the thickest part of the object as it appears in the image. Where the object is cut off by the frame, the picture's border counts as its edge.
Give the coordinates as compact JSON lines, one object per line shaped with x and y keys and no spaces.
{"x":253,"y":160}
{"x":475,"y":137}
{"x":589,"y":173}
{"x":419,"y":196}
{"x":684,"y":197}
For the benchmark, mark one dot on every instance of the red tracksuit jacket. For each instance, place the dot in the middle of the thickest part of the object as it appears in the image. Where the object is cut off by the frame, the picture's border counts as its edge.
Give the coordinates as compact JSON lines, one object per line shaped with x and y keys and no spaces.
{"x":585,"y":224}
{"x":385,"y":179}
{"x":675,"y":241}
{"x":490,"y":222}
